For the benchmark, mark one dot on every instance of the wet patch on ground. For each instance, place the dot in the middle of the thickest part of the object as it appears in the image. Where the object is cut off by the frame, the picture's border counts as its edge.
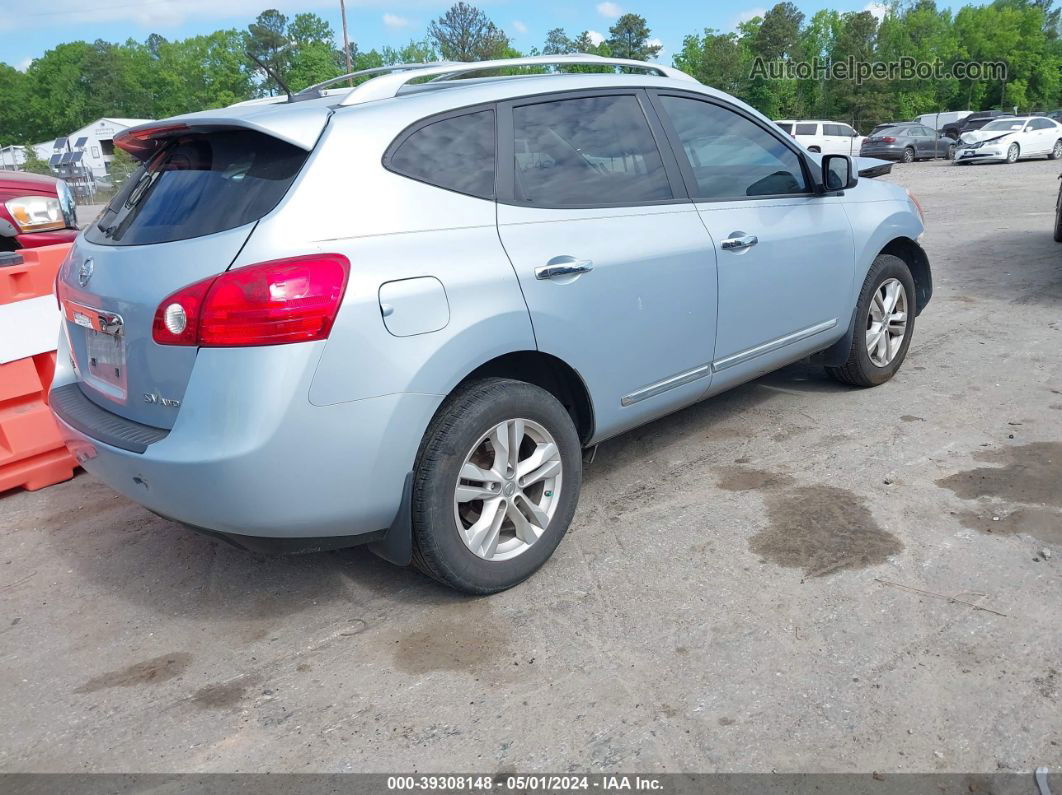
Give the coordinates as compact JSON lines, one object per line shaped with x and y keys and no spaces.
{"x":223,"y":694}
{"x":470,"y":643}
{"x":1031,"y":474}
{"x":822,"y":529}
{"x":1042,"y":523}
{"x":746,"y":479}
{"x":149,"y":672}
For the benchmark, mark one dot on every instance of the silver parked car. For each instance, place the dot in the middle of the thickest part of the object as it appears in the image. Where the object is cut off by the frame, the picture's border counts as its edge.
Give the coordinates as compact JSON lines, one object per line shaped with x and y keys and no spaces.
{"x":396,"y":314}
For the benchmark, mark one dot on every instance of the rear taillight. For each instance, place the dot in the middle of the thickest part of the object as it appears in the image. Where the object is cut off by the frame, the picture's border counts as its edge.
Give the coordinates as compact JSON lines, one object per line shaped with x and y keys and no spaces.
{"x":887,"y":139}
{"x":273,"y":303}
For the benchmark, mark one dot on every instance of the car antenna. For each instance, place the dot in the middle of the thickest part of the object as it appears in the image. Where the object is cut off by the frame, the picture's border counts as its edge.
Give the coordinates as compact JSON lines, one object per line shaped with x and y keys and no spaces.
{"x":271,"y":73}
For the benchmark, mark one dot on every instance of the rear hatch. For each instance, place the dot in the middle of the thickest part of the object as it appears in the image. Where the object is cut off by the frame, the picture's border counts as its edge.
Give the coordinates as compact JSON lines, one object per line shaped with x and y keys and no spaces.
{"x":182,"y":217}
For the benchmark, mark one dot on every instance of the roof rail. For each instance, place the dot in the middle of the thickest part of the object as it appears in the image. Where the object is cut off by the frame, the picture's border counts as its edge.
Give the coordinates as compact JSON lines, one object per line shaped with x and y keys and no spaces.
{"x":376,"y":70}
{"x":389,"y":85}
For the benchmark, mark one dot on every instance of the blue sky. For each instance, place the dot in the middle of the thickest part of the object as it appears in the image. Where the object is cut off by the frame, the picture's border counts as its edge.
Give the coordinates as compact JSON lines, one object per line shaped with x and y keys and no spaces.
{"x":28,"y":30}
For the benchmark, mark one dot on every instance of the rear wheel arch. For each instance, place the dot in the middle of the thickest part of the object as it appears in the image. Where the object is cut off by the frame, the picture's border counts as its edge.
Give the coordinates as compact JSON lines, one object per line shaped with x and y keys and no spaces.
{"x":911,"y":253}
{"x":550,"y":373}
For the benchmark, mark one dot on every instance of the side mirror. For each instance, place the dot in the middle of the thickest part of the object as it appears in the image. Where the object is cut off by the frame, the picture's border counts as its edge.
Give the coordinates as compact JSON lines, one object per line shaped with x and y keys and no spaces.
{"x":838,"y":173}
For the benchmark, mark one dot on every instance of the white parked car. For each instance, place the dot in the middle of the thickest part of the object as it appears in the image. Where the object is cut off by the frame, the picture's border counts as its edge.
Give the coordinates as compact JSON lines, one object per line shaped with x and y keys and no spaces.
{"x":827,"y":137}
{"x":1009,"y":140}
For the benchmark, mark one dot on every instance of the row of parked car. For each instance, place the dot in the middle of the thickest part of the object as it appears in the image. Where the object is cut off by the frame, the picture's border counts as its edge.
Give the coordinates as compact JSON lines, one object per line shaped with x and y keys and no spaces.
{"x":962,"y":136}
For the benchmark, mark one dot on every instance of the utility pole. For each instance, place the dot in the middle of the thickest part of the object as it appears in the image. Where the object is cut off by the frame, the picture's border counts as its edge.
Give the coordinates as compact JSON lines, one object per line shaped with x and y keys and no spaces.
{"x":346,"y":40}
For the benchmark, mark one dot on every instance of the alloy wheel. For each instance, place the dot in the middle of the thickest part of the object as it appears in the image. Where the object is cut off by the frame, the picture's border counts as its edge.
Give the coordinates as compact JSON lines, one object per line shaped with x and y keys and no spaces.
{"x":508,"y":489}
{"x":886,"y":322}
{"x":908,"y":156}
{"x":1057,"y":152}
{"x":1012,"y":154}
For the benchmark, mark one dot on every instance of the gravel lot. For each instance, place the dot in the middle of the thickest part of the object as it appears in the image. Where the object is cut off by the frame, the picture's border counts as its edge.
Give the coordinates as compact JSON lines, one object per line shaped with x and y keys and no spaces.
{"x":728,"y":598}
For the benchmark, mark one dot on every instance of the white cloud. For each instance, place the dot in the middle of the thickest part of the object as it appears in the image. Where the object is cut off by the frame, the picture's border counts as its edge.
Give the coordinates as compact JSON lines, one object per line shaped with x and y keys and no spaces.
{"x":595,"y":37}
{"x":24,"y":64}
{"x":610,"y":10}
{"x":879,"y":10}
{"x":747,"y":15}
{"x":519,"y":26}
{"x":394,"y":22}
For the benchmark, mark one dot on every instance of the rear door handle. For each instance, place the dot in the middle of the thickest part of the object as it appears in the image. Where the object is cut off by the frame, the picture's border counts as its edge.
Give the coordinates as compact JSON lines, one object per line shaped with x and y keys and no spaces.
{"x":563,"y":266}
{"x":739,"y":240}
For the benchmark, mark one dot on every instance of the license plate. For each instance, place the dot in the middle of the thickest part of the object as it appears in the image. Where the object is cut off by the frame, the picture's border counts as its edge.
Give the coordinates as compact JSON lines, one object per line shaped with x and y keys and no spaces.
{"x":105,"y":355}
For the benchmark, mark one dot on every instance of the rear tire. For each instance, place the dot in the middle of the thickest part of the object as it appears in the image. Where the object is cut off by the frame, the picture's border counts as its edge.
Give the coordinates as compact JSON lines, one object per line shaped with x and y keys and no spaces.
{"x":861,"y":369}
{"x":908,"y":155}
{"x":1056,"y":151}
{"x":1058,"y":217}
{"x":446,"y":522}
{"x":814,"y":149}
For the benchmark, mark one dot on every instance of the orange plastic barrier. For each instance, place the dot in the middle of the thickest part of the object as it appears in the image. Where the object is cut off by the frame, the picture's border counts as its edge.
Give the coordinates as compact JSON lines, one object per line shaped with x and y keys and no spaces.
{"x":32,"y":454}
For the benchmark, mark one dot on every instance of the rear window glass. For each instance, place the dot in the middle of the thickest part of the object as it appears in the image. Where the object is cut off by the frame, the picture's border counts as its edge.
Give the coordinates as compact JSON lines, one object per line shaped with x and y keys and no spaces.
{"x":785,"y":126}
{"x":455,"y":153}
{"x":807,"y":129}
{"x":197,"y":185}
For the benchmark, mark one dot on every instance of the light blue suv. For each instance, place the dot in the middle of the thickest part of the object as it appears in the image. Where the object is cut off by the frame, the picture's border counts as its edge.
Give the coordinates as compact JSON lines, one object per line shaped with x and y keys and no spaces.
{"x":396,"y":314}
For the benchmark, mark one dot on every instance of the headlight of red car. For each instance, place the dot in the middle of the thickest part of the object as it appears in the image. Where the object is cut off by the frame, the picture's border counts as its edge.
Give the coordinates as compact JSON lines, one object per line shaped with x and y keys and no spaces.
{"x":36,"y":213}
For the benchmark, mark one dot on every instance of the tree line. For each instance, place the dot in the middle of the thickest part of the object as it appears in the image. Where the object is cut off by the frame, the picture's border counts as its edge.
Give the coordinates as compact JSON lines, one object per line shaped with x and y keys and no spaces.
{"x":77,"y":82}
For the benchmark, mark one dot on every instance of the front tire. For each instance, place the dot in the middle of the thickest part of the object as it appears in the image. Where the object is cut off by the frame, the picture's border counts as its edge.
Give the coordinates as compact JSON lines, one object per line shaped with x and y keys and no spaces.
{"x":885,"y":317}
{"x":1013,"y":152}
{"x":495,"y":485}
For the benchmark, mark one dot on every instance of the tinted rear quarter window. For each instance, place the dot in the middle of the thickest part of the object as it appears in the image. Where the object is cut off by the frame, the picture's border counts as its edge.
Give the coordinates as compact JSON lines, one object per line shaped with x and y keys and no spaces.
{"x":456,"y":153}
{"x":785,"y":127}
{"x":197,"y":185}
{"x":587,"y":151}
{"x":807,"y":129}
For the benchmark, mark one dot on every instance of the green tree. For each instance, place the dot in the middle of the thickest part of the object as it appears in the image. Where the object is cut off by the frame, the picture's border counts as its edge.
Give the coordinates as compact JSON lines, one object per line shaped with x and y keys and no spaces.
{"x":267,"y":40}
{"x":720,"y":60}
{"x":34,"y":164}
{"x":630,"y":38}
{"x":465,"y":33}
{"x":121,"y":166}
{"x":558,"y":43}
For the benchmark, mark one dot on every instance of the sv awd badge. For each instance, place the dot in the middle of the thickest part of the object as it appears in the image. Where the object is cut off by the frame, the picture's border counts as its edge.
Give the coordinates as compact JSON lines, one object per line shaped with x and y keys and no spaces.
{"x":158,"y":400}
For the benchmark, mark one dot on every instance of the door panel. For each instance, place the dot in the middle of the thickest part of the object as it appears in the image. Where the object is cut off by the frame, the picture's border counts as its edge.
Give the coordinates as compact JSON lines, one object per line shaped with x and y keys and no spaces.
{"x":644,"y":315}
{"x":785,"y":256}
{"x":616,"y":267}
{"x":795,"y":278}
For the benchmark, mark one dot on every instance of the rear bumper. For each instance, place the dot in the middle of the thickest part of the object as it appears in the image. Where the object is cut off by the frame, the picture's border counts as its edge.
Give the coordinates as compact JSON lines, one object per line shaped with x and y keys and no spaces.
{"x":250,"y":456}
{"x":883,"y":153}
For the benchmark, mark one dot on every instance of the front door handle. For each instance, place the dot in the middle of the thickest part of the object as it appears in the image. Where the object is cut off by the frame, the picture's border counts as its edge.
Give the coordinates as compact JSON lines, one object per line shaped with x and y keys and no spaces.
{"x":563,"y":266}
{"x":739,"y":240}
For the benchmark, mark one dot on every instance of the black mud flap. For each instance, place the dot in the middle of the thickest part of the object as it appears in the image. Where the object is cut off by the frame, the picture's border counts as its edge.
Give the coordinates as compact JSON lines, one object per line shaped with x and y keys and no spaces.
{"x":396,"y":546}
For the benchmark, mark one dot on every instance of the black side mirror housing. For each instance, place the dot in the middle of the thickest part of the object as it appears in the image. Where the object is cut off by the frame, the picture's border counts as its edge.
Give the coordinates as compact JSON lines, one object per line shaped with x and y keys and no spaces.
{"x":838,"y":173}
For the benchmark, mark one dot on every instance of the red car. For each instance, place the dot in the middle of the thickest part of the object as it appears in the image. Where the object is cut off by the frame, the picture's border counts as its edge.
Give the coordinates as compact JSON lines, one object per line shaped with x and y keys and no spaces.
{"x":35,"y":210}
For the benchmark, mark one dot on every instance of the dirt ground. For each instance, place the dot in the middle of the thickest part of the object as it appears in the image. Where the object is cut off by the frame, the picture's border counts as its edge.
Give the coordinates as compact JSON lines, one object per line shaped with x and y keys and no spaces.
{"x":795,"y":576}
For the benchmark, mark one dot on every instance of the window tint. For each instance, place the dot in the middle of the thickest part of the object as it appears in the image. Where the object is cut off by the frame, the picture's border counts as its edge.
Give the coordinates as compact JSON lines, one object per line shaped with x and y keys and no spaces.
{"x":731,"y":156}
{"x":198,"y":185}
{"x":455,"y":153}
{"x":807,"y":129}
{"x":832,"y":129}
{"x":592,"y":150}
{"x":785,"y":126}
{"x":846,"y":130}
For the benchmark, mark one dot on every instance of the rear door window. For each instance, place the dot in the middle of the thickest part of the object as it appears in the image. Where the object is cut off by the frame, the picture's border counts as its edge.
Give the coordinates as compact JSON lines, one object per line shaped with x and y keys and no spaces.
{"x":807,"y":129}
{"x":832,"y":129}
{"x":197,"y":185}
{"x":456,"y":153}
{"x":587,"y":151}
